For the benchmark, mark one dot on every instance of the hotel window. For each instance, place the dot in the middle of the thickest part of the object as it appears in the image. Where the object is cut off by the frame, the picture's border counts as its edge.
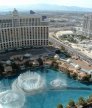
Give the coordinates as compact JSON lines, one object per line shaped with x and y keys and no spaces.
{"x":24,"y":32}
{"x":26,"y":22}
{"x":1,"y":46}
{"x":35,"y":21}
{"x":27,"y":31}
{"x":20,"y":22}
{"x":15,"y":22}
{"x":38,"y":21}
{"x":21,"y":32}
{"x":32,"y":21}
{"x":41,"y":32}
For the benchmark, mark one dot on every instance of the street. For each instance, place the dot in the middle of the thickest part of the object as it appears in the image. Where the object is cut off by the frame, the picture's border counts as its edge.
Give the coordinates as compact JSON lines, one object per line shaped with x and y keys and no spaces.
{"x":69,"y":49}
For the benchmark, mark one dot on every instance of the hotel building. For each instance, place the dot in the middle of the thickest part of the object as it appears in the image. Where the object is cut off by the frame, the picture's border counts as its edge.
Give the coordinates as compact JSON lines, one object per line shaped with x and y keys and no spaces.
{"x":23,"y":30}
{"x":87,"y":25}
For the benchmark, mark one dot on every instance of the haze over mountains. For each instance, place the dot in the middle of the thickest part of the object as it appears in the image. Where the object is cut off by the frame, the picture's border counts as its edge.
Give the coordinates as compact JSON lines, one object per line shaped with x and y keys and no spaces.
{"x":58,"y":7}
{"x":47,"y":7}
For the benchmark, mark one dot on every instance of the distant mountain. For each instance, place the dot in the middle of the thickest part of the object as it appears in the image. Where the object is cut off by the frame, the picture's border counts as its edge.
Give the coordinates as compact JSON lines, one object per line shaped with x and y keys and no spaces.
{"x":59,"y":8}
{"x":48,"y":7}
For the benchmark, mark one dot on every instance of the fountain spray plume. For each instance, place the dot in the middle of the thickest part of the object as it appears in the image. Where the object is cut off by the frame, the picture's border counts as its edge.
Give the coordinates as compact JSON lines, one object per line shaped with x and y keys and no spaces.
{"x":29,"y":83}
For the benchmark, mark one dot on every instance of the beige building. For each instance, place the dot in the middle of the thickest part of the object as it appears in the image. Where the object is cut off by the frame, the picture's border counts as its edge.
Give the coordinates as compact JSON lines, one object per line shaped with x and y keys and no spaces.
{"x":22,"y":30}
{"x":87,"y":25}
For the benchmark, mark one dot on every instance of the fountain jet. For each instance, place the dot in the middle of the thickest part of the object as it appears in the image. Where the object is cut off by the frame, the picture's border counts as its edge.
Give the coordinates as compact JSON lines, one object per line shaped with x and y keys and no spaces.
{"x":11,"y":99}
{"x":58,"y":83}
{"x":29,"y":82}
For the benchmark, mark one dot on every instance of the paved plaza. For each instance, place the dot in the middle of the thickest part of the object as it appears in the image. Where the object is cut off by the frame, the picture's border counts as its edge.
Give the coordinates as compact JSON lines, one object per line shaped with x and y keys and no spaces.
{"x":33,"y":51}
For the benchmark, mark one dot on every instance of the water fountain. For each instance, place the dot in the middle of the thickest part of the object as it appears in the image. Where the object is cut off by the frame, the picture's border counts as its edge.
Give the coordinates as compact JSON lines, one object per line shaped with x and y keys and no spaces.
{"x":29,"y":82}
{"x":11,"y":99}
{"x":58,"y":83}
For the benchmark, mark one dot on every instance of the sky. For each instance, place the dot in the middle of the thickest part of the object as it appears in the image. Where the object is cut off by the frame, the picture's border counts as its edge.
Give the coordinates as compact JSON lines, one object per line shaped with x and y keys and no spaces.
{"x":17,"y":3}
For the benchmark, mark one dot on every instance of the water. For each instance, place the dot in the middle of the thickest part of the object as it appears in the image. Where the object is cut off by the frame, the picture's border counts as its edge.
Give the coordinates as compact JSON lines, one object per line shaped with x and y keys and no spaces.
{"x":49,"y":98}
{"x":11,"y":99}
{"x":29,"y":82}
{"x":58,"y":83}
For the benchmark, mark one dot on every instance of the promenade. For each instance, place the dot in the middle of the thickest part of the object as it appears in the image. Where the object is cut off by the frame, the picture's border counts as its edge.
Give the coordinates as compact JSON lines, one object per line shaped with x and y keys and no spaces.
{"x":32,"y":51}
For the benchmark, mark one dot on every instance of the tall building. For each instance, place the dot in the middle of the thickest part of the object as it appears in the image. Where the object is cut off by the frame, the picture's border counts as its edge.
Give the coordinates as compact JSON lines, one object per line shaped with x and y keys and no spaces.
{"x":22,"y":30}
{"x":87,"y":25}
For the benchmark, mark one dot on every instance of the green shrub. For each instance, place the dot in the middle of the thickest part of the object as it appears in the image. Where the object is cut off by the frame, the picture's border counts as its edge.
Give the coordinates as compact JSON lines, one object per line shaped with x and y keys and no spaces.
{"x":59,"y":106}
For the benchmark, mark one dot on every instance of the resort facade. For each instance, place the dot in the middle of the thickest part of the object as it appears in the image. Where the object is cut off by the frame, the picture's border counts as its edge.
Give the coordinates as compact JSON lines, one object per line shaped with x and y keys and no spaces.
{"x":22,"y":30}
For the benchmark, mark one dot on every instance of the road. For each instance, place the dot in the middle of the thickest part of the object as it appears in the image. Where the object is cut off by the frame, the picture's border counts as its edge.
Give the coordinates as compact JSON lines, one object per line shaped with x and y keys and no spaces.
{"x":70,"y":50}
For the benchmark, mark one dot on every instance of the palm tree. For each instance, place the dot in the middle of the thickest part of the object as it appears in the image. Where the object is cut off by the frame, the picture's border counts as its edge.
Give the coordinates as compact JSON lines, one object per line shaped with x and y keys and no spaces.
{"x":81,"y":102}
{"x":15,"y":66}
{"x":26,"y":63}
{"x":86,"y":78}
{"x":57,"y":51}
{"x":40,"y":61}
{"x":59,"y":106}
{"x":89,"y":100}
{"x":1,"y":69}
{"x":74,"y":75}
{"x":62,"y":48}
{"x":71,"y":104}
{"x":54,"y":64}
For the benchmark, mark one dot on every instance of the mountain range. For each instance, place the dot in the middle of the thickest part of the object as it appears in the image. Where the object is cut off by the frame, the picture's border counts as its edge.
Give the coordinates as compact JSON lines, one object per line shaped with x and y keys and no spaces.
{"x":48,"y":7}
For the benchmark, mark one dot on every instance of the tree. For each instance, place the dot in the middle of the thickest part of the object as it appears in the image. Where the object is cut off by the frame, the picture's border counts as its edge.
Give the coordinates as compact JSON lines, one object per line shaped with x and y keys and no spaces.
{"x":71,"y":104}
{"x":30,"y":64}
{"x":54,"y":64}
{"x":74,"y":75}
{"x":40,"y":61}
{"x":86,"y":78}
{"x":50,"y":43}
{"x":1,"y":67}
{"x":59,"y":106}
{"x":15,"y":66}
{"x":89,"y":100}
{"x":57,"y":51}
{"x":27,"y":64}
{"x":63,"y":48}
{"x":81,"y":101}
